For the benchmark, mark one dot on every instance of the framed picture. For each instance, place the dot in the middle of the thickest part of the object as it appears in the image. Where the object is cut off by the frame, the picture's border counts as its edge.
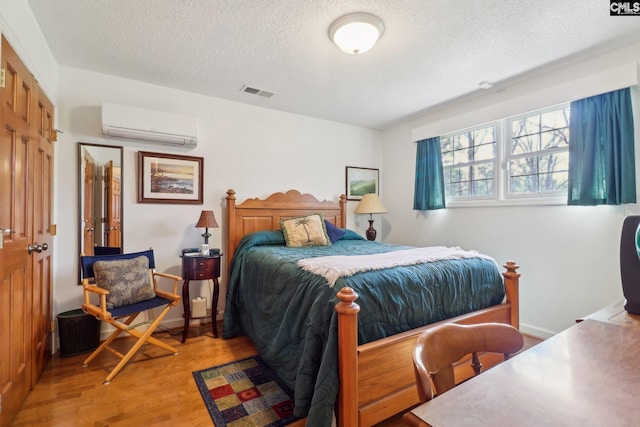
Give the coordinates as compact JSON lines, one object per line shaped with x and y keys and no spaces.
{"x":361,"y":181}
{"x":169,"y":178}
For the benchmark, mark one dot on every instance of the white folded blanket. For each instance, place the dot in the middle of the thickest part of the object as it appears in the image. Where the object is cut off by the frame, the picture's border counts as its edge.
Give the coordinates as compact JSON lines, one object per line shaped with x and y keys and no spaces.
{"x":337,"y":266}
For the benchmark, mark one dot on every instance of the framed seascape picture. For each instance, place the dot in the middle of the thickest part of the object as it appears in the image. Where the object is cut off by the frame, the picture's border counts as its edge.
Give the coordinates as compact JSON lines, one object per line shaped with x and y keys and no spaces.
{"x":169,"y":178}
{"x":361,"y":181}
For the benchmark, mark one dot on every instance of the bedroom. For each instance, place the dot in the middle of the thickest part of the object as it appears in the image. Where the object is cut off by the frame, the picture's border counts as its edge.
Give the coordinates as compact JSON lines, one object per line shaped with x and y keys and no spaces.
{"x":568,"y":255}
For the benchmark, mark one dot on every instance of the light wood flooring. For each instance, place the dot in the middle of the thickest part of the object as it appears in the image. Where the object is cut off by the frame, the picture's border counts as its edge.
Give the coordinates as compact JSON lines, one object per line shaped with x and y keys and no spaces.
{"x":155,"y":389}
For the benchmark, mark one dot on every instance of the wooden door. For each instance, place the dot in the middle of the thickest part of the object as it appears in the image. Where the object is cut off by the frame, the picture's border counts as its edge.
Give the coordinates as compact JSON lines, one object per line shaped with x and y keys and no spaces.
{"x":42,"y":236}
{"x":112,"y":194}
{"x":26,"y":195}
{"x":16,"y":145}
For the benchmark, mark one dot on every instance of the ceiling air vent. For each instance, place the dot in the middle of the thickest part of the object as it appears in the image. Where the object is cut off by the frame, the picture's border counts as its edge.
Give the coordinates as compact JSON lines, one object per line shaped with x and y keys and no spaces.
{"x":256,"y":91}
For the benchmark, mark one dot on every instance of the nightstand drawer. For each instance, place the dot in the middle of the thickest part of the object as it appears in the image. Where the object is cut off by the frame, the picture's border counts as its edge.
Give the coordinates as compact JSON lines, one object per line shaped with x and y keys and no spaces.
{"x":200,"y":268}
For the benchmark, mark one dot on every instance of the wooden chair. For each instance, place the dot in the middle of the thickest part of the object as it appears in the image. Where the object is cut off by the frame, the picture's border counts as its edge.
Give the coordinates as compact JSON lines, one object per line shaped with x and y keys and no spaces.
{"x":127,"y":285}
{"x":439,"y":348}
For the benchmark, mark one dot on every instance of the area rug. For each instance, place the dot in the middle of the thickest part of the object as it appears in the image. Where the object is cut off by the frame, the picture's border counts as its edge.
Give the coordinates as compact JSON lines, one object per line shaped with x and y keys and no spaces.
{"x":245,"y":393}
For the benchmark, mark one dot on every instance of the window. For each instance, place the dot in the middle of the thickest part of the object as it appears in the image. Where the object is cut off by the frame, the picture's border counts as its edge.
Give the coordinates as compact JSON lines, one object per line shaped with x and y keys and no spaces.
{"x":521,"y":157}
{"x":468,"y":161}
{"x":538,"y":153}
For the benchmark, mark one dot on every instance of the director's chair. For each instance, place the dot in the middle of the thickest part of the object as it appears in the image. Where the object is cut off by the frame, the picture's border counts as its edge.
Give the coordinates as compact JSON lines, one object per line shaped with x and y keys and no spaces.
{"x":127,"y":285}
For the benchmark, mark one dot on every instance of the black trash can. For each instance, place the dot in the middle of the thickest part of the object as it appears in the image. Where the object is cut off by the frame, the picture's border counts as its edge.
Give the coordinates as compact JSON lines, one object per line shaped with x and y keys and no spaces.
{"x":79,"y":332}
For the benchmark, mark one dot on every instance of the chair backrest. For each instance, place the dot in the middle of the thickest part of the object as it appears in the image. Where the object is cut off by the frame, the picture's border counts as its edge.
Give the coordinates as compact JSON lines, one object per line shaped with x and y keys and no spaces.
{"x":87,"y":261}
{"x":439,"y":348}
{"x":107,"y":250}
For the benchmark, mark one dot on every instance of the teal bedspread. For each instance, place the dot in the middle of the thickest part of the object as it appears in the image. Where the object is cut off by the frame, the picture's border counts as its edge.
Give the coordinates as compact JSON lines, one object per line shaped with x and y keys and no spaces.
{"x":289,"y":314}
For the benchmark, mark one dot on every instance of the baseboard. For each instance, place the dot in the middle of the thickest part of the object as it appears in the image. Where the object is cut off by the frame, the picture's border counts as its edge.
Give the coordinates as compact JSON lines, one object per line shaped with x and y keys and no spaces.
{"x":536,"y":332}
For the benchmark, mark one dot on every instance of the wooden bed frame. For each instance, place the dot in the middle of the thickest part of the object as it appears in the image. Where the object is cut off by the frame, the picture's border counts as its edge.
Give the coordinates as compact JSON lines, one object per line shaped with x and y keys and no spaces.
{"x":376,"y":379}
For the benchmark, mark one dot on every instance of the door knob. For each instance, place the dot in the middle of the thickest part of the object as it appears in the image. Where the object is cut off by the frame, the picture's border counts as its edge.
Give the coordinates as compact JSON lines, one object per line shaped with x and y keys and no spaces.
{"x":37,"y":248}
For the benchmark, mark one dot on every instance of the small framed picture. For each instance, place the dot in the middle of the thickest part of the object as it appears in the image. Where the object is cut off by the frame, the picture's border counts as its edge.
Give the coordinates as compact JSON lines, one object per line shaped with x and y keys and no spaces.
{"x":169,"y":178}
{"x":361,"y":181}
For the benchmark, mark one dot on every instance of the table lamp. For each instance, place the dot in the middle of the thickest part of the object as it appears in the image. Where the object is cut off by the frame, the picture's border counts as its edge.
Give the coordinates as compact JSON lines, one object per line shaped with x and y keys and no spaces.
{"x":370,"y":204}
{"x":207,"y":219}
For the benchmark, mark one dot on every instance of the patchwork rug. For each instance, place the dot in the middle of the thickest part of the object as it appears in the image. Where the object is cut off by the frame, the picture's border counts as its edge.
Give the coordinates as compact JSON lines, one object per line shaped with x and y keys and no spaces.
{"x":245,"y":393}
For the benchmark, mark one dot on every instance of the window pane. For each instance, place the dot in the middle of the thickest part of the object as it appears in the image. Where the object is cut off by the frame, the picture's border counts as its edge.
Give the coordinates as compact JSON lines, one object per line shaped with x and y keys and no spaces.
{"x":484,"y":136}
{"x":483,"y":188}
{"x":463,"y":156}
{"x":551,"y":182}
{"x":558,"y":138}
{"x":544,"y":139}
{"x":526,"y":144}
{"x":555,"y":119}
{"x":485,"y":152}
{"x":523,"y":166}
{"x":524,"y":184}
{"x":460,"y":141}
{"x":526,"y":126}
{"x":469,"y":156}
{"x":482,"y":171}
{"x":446,"y":144}
{"x":447,"y":158}
{"x":459,"y":189}
{"x":460,"y":174}
{"x":554,"y":162}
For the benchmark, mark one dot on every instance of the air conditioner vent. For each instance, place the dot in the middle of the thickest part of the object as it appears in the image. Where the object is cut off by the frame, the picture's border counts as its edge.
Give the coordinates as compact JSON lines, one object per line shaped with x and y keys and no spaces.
{"x":256,"y":91}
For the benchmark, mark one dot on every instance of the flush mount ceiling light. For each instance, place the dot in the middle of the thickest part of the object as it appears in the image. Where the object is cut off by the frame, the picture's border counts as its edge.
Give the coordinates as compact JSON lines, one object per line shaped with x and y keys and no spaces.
{"x":356,"y":33}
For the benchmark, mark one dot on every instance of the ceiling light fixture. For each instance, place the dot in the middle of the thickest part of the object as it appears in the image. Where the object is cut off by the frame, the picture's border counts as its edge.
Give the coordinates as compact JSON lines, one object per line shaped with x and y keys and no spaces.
{"x":356,"y":33}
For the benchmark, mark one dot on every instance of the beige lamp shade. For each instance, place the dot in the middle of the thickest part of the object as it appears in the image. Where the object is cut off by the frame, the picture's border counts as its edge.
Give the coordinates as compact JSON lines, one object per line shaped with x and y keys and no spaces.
{"x":370,"y":204}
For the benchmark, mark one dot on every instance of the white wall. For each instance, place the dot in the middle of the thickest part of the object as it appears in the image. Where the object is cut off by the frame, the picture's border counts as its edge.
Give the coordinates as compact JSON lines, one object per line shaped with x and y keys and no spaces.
{"x":569,"y":256}
{"x":255,"y":151}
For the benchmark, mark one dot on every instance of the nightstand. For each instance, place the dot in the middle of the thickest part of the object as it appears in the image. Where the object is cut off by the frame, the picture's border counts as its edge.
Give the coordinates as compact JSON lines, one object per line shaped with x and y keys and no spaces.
{"x":200,"y":267}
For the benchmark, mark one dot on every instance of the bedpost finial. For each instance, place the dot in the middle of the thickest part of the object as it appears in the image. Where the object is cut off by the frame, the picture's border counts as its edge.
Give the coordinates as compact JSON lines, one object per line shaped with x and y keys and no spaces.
{"x":231,"y":194}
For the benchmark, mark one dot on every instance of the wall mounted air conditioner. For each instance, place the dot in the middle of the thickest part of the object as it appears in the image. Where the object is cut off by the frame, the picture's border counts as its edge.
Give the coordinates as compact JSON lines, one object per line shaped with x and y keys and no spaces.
{"x":123,"y":121}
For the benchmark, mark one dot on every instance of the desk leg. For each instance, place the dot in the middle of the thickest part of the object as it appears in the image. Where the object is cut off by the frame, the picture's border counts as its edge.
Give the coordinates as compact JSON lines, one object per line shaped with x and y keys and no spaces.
{"x":187,"y":311}
{"x":214,"y":306}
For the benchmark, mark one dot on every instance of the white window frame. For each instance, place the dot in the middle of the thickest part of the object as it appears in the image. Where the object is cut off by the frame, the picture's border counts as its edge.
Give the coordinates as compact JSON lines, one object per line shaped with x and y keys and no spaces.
{"x":501,"y":173}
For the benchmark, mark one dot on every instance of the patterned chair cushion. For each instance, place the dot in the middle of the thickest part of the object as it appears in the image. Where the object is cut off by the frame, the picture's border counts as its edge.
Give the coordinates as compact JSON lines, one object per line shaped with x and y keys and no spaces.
{"x":127,"y":280}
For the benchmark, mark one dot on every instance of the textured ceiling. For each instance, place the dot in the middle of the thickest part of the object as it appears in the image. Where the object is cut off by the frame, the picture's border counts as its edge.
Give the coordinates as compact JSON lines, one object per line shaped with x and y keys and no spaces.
{"x":432,"y":51}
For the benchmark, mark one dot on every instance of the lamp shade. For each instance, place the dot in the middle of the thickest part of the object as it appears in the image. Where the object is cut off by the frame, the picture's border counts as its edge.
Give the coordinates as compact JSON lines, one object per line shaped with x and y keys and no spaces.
{"x":370,"y":204}
{"x":207,"y":219}
{"x":356,"y":33}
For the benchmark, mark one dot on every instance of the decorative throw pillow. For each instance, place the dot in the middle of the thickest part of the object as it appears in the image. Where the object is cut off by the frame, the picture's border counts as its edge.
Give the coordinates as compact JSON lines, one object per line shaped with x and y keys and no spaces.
{"x":127,"y":280}
{"x":305,"y":231}
{"x":334,"y":233}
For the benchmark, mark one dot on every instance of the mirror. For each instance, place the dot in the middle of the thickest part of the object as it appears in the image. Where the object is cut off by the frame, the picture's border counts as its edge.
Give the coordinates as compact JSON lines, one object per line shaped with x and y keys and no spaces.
{"x":100,"y":197}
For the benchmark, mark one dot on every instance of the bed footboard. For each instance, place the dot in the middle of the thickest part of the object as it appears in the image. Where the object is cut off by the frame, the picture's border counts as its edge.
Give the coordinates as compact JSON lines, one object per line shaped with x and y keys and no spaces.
{"x":377,"y":379}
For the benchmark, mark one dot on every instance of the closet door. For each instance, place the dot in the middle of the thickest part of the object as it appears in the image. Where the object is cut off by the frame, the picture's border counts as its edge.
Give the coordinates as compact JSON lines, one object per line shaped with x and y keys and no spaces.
{"x":16,"y":145}
{"x":41,"y":258}
{"x":26,"y":195}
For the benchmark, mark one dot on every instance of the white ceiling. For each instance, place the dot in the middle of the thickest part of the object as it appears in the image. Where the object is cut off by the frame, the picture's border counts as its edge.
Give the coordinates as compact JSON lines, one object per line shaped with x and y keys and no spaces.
{"x":432,"y":51}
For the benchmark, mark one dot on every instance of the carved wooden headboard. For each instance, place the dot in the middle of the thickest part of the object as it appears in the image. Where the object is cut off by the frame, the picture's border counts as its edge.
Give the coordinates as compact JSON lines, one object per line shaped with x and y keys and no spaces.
{"x":257,"y":215}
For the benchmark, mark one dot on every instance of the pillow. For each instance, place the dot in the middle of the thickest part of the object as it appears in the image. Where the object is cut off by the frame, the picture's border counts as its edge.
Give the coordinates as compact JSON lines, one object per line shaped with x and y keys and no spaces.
{"x":305,"y":231}
{"x":334,"y":233}
{"x":127,"y":280}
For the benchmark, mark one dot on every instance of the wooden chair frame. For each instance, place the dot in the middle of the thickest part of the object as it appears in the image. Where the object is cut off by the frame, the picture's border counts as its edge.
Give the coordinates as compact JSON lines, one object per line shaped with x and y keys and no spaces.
{"x":438,"y":349}
{"x":129,"y":313}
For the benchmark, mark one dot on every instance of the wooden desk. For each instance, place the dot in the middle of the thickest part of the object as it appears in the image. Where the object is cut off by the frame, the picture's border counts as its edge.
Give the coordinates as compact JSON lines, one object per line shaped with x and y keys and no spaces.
{"x":588,"y":375}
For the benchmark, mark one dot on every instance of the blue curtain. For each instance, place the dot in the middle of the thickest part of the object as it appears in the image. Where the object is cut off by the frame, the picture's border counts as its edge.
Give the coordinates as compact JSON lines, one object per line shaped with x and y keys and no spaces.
{"x":429,"y":184}
{"x":601,"y":150}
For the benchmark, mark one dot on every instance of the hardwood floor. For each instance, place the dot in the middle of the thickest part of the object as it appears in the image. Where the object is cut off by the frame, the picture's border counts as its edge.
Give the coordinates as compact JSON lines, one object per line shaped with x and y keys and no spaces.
{"x":160,"y":391}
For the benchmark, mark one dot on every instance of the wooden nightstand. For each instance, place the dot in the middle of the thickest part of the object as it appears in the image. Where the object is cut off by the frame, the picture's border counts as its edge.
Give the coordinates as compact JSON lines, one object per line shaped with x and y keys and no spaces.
{"x":200,"y":268}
